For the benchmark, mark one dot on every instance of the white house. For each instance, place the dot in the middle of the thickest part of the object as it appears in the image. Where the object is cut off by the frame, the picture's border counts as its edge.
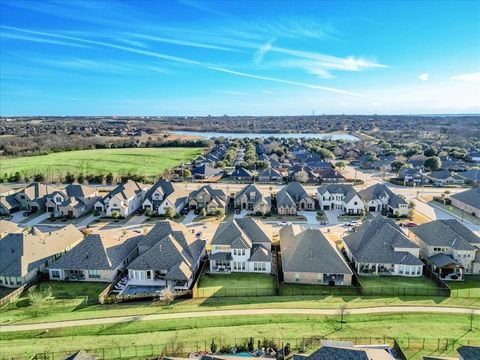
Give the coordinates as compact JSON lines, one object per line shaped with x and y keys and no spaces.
{"x":126,"y":198}
{"x":243,"y":245}
{"x":163,"y":195}
{"x":340,"y":197}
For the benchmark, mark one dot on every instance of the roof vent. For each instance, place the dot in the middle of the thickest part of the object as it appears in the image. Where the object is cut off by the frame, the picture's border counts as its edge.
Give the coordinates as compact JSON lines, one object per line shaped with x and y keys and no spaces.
{"x":86,"y":255}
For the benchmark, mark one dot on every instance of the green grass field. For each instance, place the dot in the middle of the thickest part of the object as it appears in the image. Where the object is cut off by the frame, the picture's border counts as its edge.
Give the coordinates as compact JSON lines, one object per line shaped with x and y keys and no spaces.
{"x":397,"y":281}
{"x":310,"y":289}
{"x":196,"y":332}
{"x":141,"y":161}
{"x":236,"y":284}
{"x":469,"y":287}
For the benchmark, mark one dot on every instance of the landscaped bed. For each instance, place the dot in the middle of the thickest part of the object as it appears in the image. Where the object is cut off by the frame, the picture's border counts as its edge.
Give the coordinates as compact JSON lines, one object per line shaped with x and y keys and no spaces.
{"x":236,"y":284}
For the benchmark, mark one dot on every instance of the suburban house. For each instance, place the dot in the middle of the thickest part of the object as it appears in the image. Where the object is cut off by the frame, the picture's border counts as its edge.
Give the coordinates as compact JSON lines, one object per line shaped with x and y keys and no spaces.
{"x":74,"y":201}
{"x":329,"y":175}
{"x":474,"y":156}
{"x":270,"y":175}
{"x":8,"y":203}
{"x":169,"y":256}
{"x":125,"y":199}
{"x":162,"y":195}
{"x":468,"y":201}
{"x":252,"y":198}
{"x":207,"y":198}
{"x":308,"y":257}
{"x":340,"y":197}
{"x":98,"y":257}
{"x":445,"y":177}
{"x":294,"y":197}
{"x":413,"y":176}
{"x":25,"y":254}
{"x":471,"y":176}
{"x":242,"y":174}
{"x":34,"y":196}
{"x":380,"y":247}
{"x":205,"y":172}
{"x":379,"y":198}
{"x":242,"y":245}
{"x":344,"y":350}
{"x":450,"y":248}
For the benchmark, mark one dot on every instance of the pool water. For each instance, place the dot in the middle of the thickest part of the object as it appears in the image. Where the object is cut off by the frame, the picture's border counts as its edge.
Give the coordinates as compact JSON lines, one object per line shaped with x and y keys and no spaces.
{"x":137,"y":290}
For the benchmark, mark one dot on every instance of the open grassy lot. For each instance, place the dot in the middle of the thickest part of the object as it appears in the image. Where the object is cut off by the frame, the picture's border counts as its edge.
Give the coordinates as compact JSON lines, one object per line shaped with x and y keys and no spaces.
{"x":196,"y":331}
{"x":236,"y":284}
{"x":141,"y":161}
{"x":23,"y":315}
{"x":469,"y":287}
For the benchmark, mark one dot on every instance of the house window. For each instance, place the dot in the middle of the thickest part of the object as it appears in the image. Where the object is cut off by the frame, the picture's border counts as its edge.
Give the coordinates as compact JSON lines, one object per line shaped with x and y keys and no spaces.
{"x":239,"y":265}
{"x":55,"y":274}
{"x":259,"y":266}
{"x":319,"y":278}
{"x":19,"y":281}
{"x":297,"y":277}
{"x":149,"y":274}
{"x":94,"y":274}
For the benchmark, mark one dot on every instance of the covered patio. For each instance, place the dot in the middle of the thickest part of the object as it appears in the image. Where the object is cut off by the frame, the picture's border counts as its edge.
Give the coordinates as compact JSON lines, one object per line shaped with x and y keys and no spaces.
{"x":446,"y":267}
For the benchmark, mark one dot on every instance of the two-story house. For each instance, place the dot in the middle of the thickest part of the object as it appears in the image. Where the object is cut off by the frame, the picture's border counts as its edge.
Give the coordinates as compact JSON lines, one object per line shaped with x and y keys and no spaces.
{"x":34,"y":196}
{"x":207,"y":198}
{"x":253,"y":199}
{"x":380,"y":247}
{"x":340,"y":197}
{"x":125,"y":199}
{"x":379,"y":198}
{"x":294,"y":197}
{"x":449,"y":247}
{"x":75,"y":200}
{"x":162,"y":195}
{"x":242,"y":245}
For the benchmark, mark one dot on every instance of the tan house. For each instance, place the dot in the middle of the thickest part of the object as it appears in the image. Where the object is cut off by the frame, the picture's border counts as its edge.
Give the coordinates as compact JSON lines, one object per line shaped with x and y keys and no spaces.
{"x":125,"y":199}
{"x":253,"y":199}
{"x":26,"y":254}
{"x":98,"y":257}
{"x":7,"y":227}
{"x":34,"y":196}
{"x":293,"y":198}
{"x":468,"y":201}
{"x":308,"y":257}
{"x":163,"y":195}
{"x":207,"y":198}
{"x":74,"y":201}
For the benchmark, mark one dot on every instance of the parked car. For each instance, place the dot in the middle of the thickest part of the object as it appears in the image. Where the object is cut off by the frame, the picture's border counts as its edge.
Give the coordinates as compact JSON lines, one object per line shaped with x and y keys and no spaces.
{"x":352,"y":223}
{"x":238,"y":211}
{"x":27,"y":213}
{"x":410,"y":224}
{"x":283,"y":223}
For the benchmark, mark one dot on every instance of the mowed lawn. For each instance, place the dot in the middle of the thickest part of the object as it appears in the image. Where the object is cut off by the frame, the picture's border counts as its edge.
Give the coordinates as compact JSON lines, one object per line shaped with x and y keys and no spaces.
{"x":196,"y":333}
{"x":236,"y":284}
{"x":400,"y":285}
{"x":140,"y":161}
{"x":469,"y":287}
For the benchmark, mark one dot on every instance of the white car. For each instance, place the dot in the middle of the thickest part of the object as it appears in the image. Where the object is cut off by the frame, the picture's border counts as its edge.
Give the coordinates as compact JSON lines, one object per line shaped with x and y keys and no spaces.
{"x":283,"y":223}
{"x":352,"y":223}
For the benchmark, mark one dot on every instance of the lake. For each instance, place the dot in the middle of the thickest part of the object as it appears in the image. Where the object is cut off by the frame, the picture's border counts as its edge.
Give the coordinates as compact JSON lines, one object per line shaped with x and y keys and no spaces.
{"x":237,"y":135}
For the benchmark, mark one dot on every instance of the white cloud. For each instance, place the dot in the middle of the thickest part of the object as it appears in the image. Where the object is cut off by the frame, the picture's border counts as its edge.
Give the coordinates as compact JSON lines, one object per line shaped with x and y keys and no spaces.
{"x":258,"y":56}
{"x":473,"y":77}
{"x":268,"y":92}
{"x":423,"y":77}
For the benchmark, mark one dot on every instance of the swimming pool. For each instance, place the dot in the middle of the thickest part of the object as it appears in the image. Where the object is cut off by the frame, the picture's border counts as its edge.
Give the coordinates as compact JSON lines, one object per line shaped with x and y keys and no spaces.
{"x":138,"y":290}
{"x":241,"y":354}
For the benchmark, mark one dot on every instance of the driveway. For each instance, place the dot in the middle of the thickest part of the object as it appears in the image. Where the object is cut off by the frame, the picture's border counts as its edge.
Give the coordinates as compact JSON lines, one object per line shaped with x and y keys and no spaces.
{"x":188,"y":219}
{"x":332,"y":216}
{"x":17,"y":216}
{"x":136,"y":220}
{"x":311,"y":217}
{"x":242,"y":214}
{"x":36,"y":220}
{"x":84,"y":222}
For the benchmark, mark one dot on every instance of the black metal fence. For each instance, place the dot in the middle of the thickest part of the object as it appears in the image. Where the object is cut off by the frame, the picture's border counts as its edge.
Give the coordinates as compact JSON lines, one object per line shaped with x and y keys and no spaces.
{"x":224,"y":345}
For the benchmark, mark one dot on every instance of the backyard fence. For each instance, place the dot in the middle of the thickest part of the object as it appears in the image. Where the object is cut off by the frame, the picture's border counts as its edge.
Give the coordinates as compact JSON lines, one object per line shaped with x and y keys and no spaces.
{"x":224,"y":345}
{"x":234,"y":292}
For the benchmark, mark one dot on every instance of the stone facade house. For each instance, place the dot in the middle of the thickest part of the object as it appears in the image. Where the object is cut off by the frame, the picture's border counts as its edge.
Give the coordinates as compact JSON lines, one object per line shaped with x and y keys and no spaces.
{"x":125,"y":199}
{"x":253,"y":199}
{"x":293,"y":198}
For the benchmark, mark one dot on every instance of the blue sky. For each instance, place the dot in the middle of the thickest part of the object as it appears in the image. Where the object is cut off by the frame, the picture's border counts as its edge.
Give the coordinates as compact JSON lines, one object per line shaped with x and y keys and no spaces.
{"x":192,"y":57}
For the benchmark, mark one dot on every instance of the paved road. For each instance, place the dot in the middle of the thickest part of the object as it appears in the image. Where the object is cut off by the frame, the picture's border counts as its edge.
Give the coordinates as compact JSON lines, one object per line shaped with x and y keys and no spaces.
{"x":247,"y":312}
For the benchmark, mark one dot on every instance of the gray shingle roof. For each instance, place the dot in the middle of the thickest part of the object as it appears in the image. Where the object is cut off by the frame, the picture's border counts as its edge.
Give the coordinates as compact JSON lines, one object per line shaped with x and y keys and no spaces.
{"x":165,"y":187}
{"x":374,"y":242}
{"x":177,"y":251}
{"x":124,"y":191}
{"x":102,"y":251}
{"x":260,"y":254}
{"x":442,"y":260}
{"x":291,"y":194}
{"x":469,"y":352}
{"x":449,"y":233}
{"x":470,"y":197}
{"x":310,"y":251}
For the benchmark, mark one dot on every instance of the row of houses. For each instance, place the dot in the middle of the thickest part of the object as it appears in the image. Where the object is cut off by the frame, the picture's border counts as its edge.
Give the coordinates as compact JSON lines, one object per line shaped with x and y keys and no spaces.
{"x":438,"y":178}
{"x":169,"y":254}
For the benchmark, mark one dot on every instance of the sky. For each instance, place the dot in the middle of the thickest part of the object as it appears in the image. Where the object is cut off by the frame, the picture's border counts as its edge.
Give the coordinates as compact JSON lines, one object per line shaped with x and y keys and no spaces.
{"x":188,"y":57}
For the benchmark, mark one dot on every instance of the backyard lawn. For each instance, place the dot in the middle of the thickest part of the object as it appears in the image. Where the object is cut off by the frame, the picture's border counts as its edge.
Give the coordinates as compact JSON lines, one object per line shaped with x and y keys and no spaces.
{"x":141,"y":161}
{"x":307,"y":289}
{"x":236,"y":284}
{"x":400,"y":285}
{"x":469,"y":287}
